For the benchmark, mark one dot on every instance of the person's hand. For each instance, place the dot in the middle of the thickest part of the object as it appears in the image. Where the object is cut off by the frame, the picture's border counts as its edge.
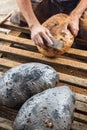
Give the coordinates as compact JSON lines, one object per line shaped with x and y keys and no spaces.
{"x":38,"y":33}
{"x":72,"y":23}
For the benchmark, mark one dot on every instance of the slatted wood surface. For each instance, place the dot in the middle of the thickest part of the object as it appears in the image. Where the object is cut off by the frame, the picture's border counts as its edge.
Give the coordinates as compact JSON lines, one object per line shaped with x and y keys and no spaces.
{"x":16,"y":48}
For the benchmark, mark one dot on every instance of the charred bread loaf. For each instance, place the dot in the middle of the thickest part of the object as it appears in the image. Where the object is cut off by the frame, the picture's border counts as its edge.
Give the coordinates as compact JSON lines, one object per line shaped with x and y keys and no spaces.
{"x":50,"y":109}
{"x":21,"y":82}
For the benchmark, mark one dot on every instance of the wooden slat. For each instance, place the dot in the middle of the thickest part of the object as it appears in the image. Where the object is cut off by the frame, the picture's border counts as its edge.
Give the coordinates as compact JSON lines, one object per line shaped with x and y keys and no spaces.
{"x":15,"y":33}
{"x":8,"y":24}
{"x":15,"y":39}
{"x":7,"y":43}
{"x":5,"y":18}
{"x":23,"y":41}
{"x":78,"y":126}
{"x":77,"y":52}
{"x":37,"y":56}
{"x":73,"y":79}
{"x":8,"y":113}
{"x":74,"y":88}
{"x":81,"y":98}
{"x":6,"y":124}
{"x":80,"y":106}
{"x":80,"y":117}
{"x":8,"y":63}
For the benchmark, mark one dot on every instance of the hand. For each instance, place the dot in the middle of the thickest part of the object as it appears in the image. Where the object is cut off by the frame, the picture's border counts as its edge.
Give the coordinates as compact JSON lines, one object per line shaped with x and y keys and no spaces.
{"x":72,"y":22}
{"x":39,"y":32}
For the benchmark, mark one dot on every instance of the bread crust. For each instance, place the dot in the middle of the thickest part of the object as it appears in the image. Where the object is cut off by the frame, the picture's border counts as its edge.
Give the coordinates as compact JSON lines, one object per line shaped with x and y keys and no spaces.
{"x":55,"y":24}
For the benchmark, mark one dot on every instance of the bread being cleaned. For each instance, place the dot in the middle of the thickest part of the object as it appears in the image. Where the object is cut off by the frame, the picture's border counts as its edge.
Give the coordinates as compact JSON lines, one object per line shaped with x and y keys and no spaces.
{"x":61,"y":41}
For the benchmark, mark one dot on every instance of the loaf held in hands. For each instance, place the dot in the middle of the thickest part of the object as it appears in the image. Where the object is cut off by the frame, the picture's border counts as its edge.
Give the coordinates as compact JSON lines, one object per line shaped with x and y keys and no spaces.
{"x":63,"y":40}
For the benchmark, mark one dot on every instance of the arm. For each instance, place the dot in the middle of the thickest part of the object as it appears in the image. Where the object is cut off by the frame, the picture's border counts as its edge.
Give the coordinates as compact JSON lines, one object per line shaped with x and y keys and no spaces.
{"x":78,"y":11}
{"x":73,"y":21}
{"x":37,"y":30}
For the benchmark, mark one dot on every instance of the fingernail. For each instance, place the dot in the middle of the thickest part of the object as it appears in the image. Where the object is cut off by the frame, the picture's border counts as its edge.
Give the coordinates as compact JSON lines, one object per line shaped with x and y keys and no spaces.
{"x":51,"y":40}
{"x":51,"y":43}
{"x":62,"y":31}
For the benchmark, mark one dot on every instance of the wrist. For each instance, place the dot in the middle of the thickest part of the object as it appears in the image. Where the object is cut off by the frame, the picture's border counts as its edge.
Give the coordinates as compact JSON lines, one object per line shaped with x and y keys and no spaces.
{"x":76,"y":14}
{"x":81,"y":7}
{"x":33,"y":24}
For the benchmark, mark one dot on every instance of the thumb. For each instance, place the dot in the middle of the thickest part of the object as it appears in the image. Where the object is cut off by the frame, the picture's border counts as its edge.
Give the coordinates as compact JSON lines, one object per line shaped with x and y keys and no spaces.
{"x":74,"y":30}
{"x":66,"y":25}
{"x":64,"y":28}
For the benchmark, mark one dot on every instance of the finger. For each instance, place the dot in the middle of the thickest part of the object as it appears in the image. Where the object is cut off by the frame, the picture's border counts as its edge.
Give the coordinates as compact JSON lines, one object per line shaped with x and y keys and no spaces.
{"x":35,"y":41}
{"x":64,"y":28}
{"x":34,"y":38}
{"x":47,"y":38}
{"x":48,"y":33}
{"x":65,"y":25}
{"x":73,"y":30}
{"x":38,"y":40}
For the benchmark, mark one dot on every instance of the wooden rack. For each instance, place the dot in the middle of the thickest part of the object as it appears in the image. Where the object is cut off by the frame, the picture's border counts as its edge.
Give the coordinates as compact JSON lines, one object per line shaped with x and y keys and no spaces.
{"x":16,"y":48}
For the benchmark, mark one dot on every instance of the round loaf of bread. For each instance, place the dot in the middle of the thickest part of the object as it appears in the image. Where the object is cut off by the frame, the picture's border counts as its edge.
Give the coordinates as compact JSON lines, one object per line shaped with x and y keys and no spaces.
{"x":55,"y":25}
